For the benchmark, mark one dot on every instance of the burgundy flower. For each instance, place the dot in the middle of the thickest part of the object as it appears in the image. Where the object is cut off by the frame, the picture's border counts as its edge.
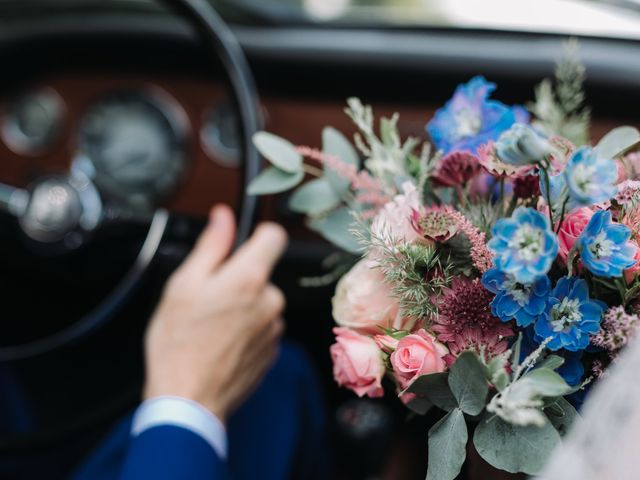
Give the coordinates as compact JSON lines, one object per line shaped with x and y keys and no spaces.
{"x":456,"y":168}
{"x":465,"y":322}
{"x":526,"y":186}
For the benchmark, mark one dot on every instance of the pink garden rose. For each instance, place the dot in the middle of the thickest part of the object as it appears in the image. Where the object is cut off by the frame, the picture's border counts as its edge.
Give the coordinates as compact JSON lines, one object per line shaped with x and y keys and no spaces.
{"x":357,"y":363}
{"x":572,"y":226}
{"x":417,"y":354}
{"x":630,"y":273}
{"x":393,"y":222}
{"x":363,"y":301}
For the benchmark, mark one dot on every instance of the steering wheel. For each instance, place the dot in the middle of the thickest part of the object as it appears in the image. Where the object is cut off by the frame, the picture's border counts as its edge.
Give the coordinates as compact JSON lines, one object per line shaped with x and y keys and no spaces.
{"x":53,"y":207}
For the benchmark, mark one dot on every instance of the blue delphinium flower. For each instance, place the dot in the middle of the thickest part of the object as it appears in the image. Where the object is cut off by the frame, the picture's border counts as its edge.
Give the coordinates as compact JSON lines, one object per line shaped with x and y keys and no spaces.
{"x":590,"y":179}
{"x":570,"y":316}
{"x":470,"y":119}
{"x":524,"y":245}
{"x":514,"y":300}
{"x":522,"y":145}
{"x":604,"y":246}
{"x":572,"y":370}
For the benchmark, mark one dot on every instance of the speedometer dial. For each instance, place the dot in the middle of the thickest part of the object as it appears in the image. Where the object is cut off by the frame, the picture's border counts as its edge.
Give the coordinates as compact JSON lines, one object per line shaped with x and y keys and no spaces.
{"x":133,"y":145}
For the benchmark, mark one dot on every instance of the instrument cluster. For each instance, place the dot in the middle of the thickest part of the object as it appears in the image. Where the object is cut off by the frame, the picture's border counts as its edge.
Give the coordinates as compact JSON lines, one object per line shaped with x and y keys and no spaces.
{"x":134,"y":144}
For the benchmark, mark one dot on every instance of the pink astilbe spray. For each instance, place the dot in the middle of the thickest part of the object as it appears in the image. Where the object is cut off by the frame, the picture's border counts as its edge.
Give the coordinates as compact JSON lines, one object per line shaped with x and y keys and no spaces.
{"x":481,"y":256}
{"x":617,"y":329}
{"x":369,"y":190}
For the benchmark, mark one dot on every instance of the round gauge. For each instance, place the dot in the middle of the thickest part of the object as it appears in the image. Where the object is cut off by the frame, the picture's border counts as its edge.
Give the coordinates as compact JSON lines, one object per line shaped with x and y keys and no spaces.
{"x":32,"y":123}
{"x":133,"y":145}
{"x":220,"y":135}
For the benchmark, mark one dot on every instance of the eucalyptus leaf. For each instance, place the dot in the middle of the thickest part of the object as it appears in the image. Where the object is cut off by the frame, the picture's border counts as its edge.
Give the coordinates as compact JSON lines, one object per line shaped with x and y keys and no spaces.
{"x":500,"y":380}
{"x":498,"y":375}
{"x":336,"y":227}
{"x":335,"y":143}
{"x":447,"y":446}
{"x":314,"y":197}
{"x":280,"y":152}
{"x":419,"y":405}
{"x":468,"y":383}
{"x":546,"y":382}
{"x":552,"y":362}
{"x":274,"y":180}
{"x":617,"y":142}
{"x":435,"y":387}
{"x":562,"y":417}
{"x":515,"y":449}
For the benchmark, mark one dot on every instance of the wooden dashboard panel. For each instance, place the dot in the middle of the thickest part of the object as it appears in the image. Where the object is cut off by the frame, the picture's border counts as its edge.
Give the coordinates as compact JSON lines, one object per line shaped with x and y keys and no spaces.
{"x":206,"y":182}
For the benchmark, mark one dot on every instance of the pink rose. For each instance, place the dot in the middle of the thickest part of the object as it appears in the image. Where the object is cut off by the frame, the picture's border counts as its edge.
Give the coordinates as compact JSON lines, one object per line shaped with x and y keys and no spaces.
{"x":393,"y":222}
{"x":630,"y":273}
{"x":363,"y":301}
{"x":622,"y":172}
{"x":357,"y":363}
{"x":417,"y":354}
{"x":572,"y":226}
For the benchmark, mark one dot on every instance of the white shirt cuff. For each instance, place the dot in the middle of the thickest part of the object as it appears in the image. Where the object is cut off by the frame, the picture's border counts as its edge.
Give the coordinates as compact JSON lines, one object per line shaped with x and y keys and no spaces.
{"x":184,"y":413}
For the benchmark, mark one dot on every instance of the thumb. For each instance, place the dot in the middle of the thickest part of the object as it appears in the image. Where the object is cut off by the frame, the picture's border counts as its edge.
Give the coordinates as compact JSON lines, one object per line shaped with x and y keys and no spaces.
{"x":214,"y":244}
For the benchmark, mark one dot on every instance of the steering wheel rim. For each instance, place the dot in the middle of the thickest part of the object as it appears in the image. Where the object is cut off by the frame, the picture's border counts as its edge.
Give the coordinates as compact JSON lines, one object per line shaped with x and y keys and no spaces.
{"x":224,"y":45}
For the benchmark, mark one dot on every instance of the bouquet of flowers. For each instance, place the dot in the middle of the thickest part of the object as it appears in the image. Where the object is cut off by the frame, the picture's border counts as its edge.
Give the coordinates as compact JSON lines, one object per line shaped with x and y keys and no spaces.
{"x":498,"y":270}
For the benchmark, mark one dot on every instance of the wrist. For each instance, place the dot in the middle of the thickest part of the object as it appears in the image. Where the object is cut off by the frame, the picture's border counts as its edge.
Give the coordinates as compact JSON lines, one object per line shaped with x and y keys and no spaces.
{"x":212,"y":405}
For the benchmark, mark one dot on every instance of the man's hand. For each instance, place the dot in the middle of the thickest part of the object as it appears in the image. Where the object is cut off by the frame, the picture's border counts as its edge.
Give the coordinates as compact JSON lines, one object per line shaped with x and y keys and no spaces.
{"x":216,"y":329}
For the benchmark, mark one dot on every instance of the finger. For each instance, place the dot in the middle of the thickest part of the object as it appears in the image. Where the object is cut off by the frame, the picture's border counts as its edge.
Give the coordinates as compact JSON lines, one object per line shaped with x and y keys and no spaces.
{"x":273,"y":302}
{"x":253,"y":262}
{"x":215,"y":242}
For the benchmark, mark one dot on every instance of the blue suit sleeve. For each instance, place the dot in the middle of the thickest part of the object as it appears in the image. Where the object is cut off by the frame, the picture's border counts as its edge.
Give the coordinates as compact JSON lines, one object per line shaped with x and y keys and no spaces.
{"x":172,"y":453}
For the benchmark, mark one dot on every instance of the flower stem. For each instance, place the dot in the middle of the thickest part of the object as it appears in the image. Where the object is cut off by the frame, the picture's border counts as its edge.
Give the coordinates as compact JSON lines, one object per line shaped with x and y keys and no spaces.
{"x":562,"y":212}
{"x":311,"y":170}
{"x":547,"y":185}
{"x":502,"y":195}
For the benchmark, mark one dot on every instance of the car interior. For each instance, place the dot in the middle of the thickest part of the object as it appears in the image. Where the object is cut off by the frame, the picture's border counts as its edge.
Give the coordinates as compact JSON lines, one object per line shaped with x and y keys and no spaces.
{"x":129,"y":121}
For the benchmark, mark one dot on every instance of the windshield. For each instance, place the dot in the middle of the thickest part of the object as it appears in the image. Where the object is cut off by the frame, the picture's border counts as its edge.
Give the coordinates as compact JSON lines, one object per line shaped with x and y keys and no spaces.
{"x":613,"y":18}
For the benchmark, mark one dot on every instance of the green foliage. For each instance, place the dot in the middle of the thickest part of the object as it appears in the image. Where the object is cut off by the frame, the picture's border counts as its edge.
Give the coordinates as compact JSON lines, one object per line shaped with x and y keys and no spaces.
{"x":274,"y":180}
{"x":618,"y":141}
{"x":560,"y":107}
{"x":287,"y":170}
{"x":515,"y":448}
{"x":563,"y":416}
{"x":521,"y":400}
{"x":435,"y":388}
{"x":280,"y":152}
{"x":447,"y":446}
{"x":337,"y":227}
{"x":387,"y":157}
{"x":468,"y":383}
{"x":335,"y":143}
{"x":409,"y":270}
{"x":482,"y":213}
{"x":498,"y":376}
{"x":314,"y":197}
{"x":419,"y":405}
{"x":552,"y":362}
